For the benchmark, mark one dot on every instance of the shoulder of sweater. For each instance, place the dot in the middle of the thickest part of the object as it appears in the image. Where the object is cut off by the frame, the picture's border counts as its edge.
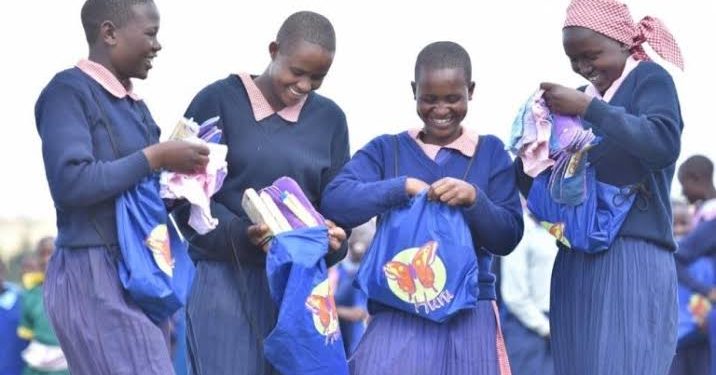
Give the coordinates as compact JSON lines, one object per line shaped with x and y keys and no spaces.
{"x":72,"y":78}
{"x":326,"y":104}
{"x":216,"y":87}
{"x":649,"y":69}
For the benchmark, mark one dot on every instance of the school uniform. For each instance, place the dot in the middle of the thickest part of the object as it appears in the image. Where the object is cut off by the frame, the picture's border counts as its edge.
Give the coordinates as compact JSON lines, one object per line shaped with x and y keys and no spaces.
{"x":230,"y":310}
{"x":695,"y":352}
{"x":615,"y":312}
{"x":398,"y":342}
{"x":93,"y":131}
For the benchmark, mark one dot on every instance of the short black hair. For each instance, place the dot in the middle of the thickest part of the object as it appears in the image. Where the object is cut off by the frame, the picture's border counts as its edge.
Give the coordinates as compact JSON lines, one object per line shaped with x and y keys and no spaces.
{"x":309,"y":26}
{"x":95,"y":12}
{"x":698,"y":165}
{"x":444,"y":55}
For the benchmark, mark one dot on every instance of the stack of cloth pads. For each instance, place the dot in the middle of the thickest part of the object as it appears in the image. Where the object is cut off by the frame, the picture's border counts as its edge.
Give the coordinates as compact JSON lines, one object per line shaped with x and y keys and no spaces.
{"x":545,"y":140}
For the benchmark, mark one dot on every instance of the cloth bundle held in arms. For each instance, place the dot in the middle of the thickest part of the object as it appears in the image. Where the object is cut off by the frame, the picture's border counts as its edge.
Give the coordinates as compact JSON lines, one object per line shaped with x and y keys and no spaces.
{"x":545,"y":140}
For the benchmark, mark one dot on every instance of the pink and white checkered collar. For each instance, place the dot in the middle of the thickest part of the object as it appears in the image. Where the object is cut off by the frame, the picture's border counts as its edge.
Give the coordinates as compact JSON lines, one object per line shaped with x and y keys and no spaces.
{"x":261,"y":107}
{"x":631,"y":64}
{"x":464,"y":144}
{"x":106,"y":79}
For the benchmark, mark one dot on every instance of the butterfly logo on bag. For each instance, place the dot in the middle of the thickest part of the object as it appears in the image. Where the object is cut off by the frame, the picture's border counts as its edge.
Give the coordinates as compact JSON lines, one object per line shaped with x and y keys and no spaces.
{"x":323,"y":307}
{"x":159,"y":245}
{"x":417,"y":275}
{"x":699,"y":307}
{"x":557,"y":231}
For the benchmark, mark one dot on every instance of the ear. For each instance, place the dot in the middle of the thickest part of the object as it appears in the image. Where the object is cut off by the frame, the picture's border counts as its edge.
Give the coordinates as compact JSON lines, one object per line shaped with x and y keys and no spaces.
{"x":415,"y":93}
{"x":273,"y":50}
{"x":470,"y":90}
{"x":108,"y":33}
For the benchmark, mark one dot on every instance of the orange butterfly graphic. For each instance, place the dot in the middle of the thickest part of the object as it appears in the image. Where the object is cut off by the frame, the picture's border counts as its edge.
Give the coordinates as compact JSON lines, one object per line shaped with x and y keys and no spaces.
{"x":419,"y":269}
{"x":325,"y":308}
{"x":158,"y":243}
{"x":557,"y":231}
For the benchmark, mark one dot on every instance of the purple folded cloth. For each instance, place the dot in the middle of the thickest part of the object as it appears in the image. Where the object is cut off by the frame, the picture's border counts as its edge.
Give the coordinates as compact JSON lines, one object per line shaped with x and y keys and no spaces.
{"x":278,"y":190}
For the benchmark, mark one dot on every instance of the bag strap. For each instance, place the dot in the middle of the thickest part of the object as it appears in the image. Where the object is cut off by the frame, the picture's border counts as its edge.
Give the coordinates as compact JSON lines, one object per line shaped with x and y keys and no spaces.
{"x":114,"y":252}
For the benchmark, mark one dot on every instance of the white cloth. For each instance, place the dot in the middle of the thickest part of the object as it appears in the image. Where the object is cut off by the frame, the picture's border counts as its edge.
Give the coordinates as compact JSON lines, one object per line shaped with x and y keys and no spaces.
{"x":43,"y":357}
{"x":526,"y":275}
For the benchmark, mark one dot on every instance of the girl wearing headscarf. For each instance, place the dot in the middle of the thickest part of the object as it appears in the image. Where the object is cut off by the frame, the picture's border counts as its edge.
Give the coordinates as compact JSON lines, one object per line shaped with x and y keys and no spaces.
{"x":615,"y":312}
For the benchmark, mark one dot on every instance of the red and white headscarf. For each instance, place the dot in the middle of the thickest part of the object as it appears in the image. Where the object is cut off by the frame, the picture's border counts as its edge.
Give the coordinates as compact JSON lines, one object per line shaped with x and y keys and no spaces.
{"x":612,"y":19}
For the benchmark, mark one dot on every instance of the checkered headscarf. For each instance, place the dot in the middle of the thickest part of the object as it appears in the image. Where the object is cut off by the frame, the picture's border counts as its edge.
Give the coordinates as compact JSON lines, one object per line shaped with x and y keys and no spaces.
{"x":612,"y":19}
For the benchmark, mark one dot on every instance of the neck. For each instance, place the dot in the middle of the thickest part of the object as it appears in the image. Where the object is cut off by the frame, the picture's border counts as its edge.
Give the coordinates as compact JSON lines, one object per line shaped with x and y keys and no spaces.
{"x":710,"y":193}
{"x":102,"y":58}
{"x":263,"y":82}
{"x":428,"y":139}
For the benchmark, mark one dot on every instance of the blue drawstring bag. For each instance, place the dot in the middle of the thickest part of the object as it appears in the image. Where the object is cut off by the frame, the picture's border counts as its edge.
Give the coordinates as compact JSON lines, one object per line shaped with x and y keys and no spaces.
{"x":421,"y":261}
{"x":690,"y":301}
{"x":306,"y":339}
{"x":590,"y":226}
{"x":154,"y":267}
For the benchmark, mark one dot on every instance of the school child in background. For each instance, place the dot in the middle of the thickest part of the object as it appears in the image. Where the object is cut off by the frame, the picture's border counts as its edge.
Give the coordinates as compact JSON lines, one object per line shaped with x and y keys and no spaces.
{"x":526,"y":276}
{"x":11,"y":344}
{"x":615,"y":312}
{"x":696,"y":177}
{"x":351,"y":302}
{"x":274,"y":125}
{"x":43,"y":356}
{"x":99,"y":140}
{"x":435,"y":156}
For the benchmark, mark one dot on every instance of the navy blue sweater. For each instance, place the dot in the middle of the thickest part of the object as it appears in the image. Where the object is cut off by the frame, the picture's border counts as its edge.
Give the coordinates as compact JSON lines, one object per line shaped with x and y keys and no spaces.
{"x":311,"y":151}
{"x":366,"y":188}
{"x":641,"y":140}
{"x":82,"y":170}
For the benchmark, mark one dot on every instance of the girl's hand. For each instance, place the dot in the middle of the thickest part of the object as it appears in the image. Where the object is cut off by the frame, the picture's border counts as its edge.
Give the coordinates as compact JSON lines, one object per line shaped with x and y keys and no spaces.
{"x":453,"y":192}
{"x":336,"y":235}
{"x":259,"y":235}
{"x":564,"y":100}
{"x":413,"y":186}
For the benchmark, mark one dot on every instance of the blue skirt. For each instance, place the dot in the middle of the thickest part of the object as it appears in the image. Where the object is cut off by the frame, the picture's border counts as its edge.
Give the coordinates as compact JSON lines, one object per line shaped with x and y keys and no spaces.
{"x":400,"y":343}
{"x":614,"y":312}
{"x":228,"y":315}
{"x":100,"y":329}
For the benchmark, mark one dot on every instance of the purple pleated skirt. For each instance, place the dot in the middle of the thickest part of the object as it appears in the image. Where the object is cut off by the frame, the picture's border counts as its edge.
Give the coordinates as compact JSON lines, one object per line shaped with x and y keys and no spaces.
{"x":400,"y":343}
{"x":101,"y":330}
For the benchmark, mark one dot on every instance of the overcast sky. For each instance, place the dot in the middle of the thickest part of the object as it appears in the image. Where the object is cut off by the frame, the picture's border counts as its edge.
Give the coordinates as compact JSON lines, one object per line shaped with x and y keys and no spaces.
{"x":514,"y":45}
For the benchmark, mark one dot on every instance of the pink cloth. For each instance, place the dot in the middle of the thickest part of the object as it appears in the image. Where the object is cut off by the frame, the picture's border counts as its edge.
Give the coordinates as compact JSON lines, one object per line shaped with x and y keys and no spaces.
{"x":198,"y":188}
{"x":261,"y":107}
{"x":612,"y":19}
{"x":592,"y":91}
{"x":106,"y":79}
{"x":465,"y":143}
{"x":535,"y":153}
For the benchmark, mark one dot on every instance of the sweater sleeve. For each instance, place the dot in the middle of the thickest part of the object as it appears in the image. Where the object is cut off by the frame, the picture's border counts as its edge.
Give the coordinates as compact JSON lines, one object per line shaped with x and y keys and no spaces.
{"x":651,"y":130}
{"x":231,"y":233}
{"x":699,"y":243}
{"x":359,"y":191}
{"x":75,"y":177}
{"x":495,"y":219}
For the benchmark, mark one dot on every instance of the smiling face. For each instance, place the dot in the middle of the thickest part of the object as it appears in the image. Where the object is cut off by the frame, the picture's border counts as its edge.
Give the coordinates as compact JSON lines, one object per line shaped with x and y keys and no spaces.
{"x":294,"y":72}
{"x":442,"y":95}
{"x":597,"y":58}
{"x":135,"y":44}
